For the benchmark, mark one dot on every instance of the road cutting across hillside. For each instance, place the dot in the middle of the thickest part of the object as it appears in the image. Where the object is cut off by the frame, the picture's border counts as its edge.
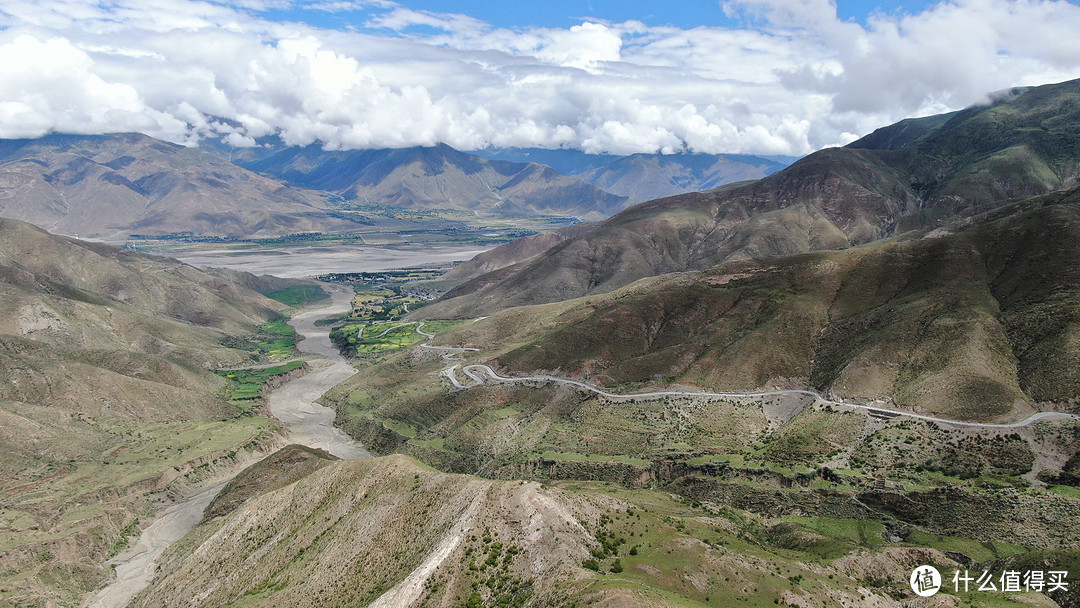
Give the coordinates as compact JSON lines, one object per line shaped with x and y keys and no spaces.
{"x":480,"y":374}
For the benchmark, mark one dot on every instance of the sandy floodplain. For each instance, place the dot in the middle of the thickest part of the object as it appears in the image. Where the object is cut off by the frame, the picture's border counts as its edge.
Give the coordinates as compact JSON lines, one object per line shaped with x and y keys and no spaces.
{"x":307,"y":261}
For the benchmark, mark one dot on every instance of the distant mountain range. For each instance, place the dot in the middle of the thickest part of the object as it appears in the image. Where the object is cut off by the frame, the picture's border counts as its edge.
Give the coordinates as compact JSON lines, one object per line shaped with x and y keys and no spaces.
{"x":642,"y":177}
{"x":440,"y":177}
{"x":112,"y":186}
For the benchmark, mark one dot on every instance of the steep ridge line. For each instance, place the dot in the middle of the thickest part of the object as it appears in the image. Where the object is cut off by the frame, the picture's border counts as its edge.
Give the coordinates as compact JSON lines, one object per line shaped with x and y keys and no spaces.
{"x":478,"y":373}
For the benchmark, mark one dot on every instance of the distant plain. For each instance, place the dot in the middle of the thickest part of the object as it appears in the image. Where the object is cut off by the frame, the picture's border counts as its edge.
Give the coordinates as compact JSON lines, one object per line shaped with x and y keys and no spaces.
{"x":295,"y":262}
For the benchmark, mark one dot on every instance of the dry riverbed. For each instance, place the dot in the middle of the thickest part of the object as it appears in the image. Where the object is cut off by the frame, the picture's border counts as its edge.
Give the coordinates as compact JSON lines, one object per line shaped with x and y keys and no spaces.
{"x":306,"y":422}
{"x":296,"y":262}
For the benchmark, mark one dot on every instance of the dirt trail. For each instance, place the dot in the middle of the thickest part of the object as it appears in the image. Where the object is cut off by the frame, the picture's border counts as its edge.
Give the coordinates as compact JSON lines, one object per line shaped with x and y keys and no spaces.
{"x":409,"y":591}
{"x":480,"y":373}
{"x":306,"y":422}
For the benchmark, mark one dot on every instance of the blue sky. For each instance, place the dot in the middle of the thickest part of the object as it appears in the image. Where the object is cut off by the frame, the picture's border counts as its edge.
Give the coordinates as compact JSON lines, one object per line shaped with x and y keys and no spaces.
{"x":738,"y":76}
{"x":684,"y":14}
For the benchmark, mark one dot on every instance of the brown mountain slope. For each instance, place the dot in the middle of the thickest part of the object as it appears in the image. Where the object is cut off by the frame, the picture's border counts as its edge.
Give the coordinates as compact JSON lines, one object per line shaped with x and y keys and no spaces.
{"x":826,"y":201}
{"x":110,"y":186}
{"x":443,"y":178}
{"x":389,"y":532}
{"x":97,"y":274}
{"x":513,"y":252}
{"x":105,"y":394}
{"x":925,"y":173}
{"x":980,"y":324}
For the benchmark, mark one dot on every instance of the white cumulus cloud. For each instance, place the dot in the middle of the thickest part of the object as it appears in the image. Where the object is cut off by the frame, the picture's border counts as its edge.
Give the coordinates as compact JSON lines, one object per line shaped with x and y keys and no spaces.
{"x":794,"y":78}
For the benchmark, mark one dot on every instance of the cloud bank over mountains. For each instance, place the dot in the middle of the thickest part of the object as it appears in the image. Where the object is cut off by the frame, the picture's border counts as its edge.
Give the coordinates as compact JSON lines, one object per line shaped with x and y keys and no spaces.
{"x":790,"y":78}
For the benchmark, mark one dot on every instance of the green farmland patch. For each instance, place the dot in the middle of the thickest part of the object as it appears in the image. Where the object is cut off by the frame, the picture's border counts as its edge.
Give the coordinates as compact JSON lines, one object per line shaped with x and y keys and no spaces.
{"x":246,"y":386}
{"x":299,"y":295}
{"x":354,"y":339}
{"x":277,"y":339}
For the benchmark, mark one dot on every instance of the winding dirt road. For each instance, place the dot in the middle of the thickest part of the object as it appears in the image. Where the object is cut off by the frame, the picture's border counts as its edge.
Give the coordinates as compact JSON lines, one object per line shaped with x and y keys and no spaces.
{"x":306,"y":422}
{"x":480,"y":373}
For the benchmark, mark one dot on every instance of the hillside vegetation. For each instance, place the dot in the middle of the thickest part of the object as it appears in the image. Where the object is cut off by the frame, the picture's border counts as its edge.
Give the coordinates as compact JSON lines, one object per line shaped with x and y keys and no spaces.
{"x":391,"y":532}
{"x":106,"y":394}
{"x":977,"y":325}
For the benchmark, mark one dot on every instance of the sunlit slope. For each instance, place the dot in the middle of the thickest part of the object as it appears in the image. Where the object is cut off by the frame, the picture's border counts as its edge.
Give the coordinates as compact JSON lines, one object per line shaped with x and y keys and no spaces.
{"x":105,"y":394}
{"x":980,"y":324}
{"x":111,"y":186}
{"x":391,"y":532}
{"x":133,"y":318}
